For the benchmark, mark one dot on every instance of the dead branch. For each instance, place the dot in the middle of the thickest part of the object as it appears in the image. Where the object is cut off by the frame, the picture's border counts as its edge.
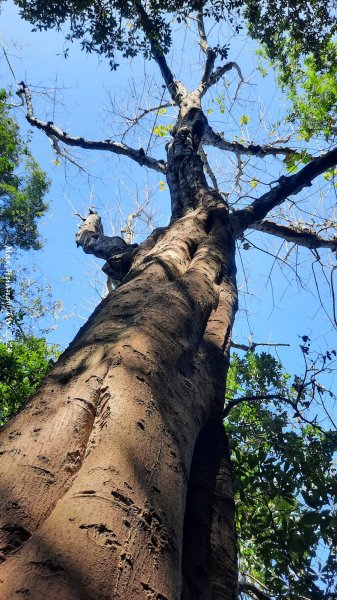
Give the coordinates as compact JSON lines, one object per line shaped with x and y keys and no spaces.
{"x":51,"y":130}
{"x":253,"y":345}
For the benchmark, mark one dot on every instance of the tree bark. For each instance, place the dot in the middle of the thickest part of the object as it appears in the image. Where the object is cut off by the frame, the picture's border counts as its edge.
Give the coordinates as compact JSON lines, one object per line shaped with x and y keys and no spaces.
{"x":116,"y":478}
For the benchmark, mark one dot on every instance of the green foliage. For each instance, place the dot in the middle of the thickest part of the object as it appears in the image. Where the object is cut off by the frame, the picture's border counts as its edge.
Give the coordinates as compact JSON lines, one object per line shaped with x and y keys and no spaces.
{"x":285,"y":483}
{"x":292,"y":30}
{"x":114,"y":27}
{"x":25,"y":301}
{"x":244,"y":120}
{"x":23,"y":186}
{"x":313,"y":94}
{"x":293,"y":161}
{"x":23,"y":364}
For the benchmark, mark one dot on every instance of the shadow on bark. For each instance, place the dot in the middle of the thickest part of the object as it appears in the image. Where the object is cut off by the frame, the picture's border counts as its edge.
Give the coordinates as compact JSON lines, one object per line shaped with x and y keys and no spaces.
{"x":209,"y":565}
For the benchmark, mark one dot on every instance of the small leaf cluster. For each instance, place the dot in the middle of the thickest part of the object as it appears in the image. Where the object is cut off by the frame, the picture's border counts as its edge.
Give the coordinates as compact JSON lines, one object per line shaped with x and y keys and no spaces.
{"x":162,"y":130}
{"x":23,"y":364}
{"x":296,"y":159}
{"x":285,"y":484}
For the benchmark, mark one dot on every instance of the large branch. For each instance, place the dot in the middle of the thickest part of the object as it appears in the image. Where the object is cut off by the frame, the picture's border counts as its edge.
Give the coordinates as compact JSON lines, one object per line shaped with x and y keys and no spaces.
{"x":210,"y":77}
{"x":175,"y":88}
{"x":287,"y":186}
{"x":303,"y":237}
{"x":211,"y":138}
{"x":51,"y":130}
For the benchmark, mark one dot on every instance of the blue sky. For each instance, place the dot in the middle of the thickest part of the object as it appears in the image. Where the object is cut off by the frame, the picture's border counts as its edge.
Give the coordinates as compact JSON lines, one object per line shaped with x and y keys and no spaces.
{"x":280,"y":311}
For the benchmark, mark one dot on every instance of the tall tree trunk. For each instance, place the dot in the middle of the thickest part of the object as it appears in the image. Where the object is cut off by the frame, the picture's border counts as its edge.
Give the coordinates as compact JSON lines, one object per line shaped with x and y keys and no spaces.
{"x":115,"y":477}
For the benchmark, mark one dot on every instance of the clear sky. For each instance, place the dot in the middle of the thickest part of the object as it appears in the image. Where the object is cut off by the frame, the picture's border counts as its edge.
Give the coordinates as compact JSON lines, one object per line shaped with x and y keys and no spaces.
{"x":85,"y":98}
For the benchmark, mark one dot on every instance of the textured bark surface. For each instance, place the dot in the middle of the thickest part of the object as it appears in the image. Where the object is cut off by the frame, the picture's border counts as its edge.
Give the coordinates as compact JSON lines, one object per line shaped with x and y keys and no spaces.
{"x":122,"y":486}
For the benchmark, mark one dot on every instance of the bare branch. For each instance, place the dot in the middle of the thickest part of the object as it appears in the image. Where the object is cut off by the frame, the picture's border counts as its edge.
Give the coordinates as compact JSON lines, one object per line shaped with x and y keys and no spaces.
{"x":209,"y":52}
{"x":208,"y":169}
{"x":128,"y":229}
{"x":176,"y":88}
{"x":301,"y":236}
{"x":287,"y":186}
{"x":211,"y":138}
{"x":253,"y":345}
{"x":51,"y":130}
{"x":134,"y":120}
{"x":65,"y":154}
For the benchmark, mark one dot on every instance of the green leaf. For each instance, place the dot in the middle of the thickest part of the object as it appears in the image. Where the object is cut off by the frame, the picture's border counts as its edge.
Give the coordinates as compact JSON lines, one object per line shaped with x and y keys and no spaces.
{"x":244,"y":120}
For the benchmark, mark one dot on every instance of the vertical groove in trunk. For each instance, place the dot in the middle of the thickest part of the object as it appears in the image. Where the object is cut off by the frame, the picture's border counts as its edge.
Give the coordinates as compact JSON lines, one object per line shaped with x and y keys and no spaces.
{"x":209,"y":563}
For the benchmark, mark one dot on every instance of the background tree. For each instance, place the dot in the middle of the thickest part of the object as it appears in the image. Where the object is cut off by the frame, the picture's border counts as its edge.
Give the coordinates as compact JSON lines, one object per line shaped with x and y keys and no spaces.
{"x":145,"y":377}
{"x":24,"y":358}
{"x":23,"y":186}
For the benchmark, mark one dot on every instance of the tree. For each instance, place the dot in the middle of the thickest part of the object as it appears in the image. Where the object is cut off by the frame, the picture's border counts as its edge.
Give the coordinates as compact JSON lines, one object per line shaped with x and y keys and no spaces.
{"x":23,"y":186}
{"x":284,"y":478}
{"x":24,"y":359}
{"x":21,"y":193}
{"x":123,"y":484}
{"x":23,"y":364}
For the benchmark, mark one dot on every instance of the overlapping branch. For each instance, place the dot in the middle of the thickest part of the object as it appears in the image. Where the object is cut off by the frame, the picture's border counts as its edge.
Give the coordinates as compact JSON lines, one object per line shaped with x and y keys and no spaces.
{"x":287,"y":186}
{"x":302,"y":237}
{"x":52,"y":130}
